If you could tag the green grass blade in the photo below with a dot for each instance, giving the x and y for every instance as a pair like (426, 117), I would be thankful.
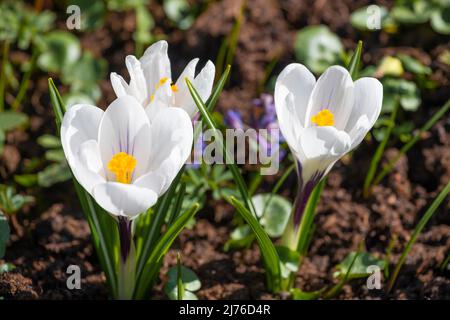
(268, 251)
(156, 224)
(354, 61)
(279, 184)
(218, 139)
(58, 105)
(308, 218)
(379, 153)
(161, 247)
(423, 221)
(427, 126)
(338, 287)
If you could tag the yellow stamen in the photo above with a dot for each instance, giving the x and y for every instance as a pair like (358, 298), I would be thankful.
(163, 80)
(122, 165)
(323, 118)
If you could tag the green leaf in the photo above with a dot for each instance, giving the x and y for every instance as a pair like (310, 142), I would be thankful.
(85, 74)
(219, 139)
(273, 211)
(440, 20)
(60, 50)
(289, 260)
(159, 250)
(409, 15)
(179, 12)
(268, 251)
(414, 65)
(422, 223)
(26, 180)
(405, 92)
(72, 98)
(241, 237)
(359, 268)
(361, 18)
(56, 155)
(4, 234)
(298, 294)
(189, 279)
(93, 13)
(318, 48)
(10, 120)
(49, 141)
(53, 174)
(6, 267)
(10, 202)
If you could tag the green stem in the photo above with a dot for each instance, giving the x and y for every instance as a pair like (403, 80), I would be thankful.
(423, 221)
(25, 81)
(6, 46)
(126, 276)
(379, 153)
(427, 126)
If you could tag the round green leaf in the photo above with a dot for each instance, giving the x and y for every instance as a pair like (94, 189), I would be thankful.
(85, 73)
(179, 12)
(12, 119)
(440, 20)
(49, 141)
(189, 278)
(190, 283)
(53, 174)
(414, 65)
(289, 260)
(60, 49)
(318, 48)
(92, 13)
(408, 15)
(359, 268)
(276, 215)
(361, 18)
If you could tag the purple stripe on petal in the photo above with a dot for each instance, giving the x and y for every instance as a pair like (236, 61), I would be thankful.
(124, 225)
(305, 190)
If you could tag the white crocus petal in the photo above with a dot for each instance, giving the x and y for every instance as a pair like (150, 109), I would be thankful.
(161, 99)
(172, 137)
(124, 199)
(203, 83)
(297, 80)
(120, 86)
(125, 128)
(320, 148)
(80, 125)
(366, 110)
(333, 91)
(138, 85)
(155, 65)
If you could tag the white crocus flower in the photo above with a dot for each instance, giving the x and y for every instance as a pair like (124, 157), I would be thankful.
(151, 81)
(119, 157)
(321, 121)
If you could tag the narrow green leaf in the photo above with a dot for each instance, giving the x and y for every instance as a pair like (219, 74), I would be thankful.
(354, 61)
(379, 153)
(159, 250)
(427, 126)
(218, 139)
(308, 218)
(161, 210)
(423, 221)
(268, 251)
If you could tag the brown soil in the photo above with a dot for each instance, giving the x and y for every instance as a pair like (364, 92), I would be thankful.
(56, 235)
